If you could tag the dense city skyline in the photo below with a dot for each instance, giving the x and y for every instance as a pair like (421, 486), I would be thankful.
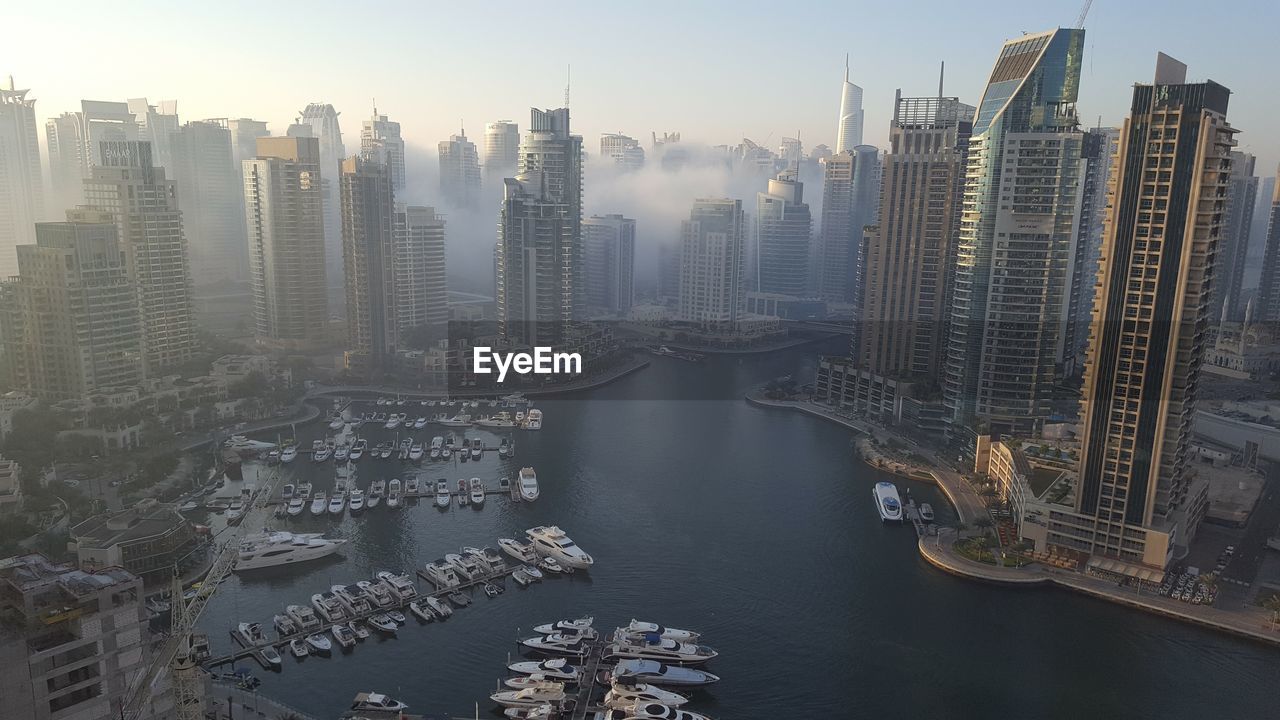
(466, 74)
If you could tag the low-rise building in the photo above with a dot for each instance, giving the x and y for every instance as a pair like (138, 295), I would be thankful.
(148, 539)
(10, 487)
(10, 403)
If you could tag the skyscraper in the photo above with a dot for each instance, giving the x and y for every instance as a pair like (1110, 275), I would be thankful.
(850, 195)
(66, 174)
(539, 249)
(623, 151)
(380, 140)
(1098, 153)
(71, 323)
(244, 138)
(320, 121)
(211, 196)
(712, 261)
(1228, 279)
(784, 229)
(501, 148)
(608, 259)
(459, 170)
(21, 181)
(368, 246)
(1017, 236)
(144, 204)
(283, 200)
(422, 294)
(849, 132)
(1150, 318)
(1268, 309)
(155, 125)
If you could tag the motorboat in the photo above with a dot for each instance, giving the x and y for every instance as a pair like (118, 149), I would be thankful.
(304, 492)
(493, 559)
(360, 630)
(521, 577)
(299, 648)
(506, 448)
(358, 449)
(341, 453)
(393, 422)
(534, 573)
(319, 643)
(530, 697)
(377, 702)
(556, 668)
(659, 711)
(396, 616)
(249, 634)
(533, 419)
(463, 497)
(421, 611)
(420, 423)
(492, 590)
(552, 566)
(926, 512)
(356, 501)
(320, 451)
(656, 647)
(235, 511)
(458, 599)
(415, 452)
(270, 657)
(295, 507)
(285, 626)
(286, 492)
(303, 616)
(289, 453)
(626, 693)
(376, 490)
(457, 421)
(477, 449)
(656, 673)
(521, 682)
(393, 493)
(528, 481)
(437, 444)
(501, 421)
(353, 598)
(551, 541)
(557, 644)
(518, 550)
(337, 503)
(328, 607)
(545, 711)
(438, 608)
(888, 504)
(378, 592)
(401, 586)
(273, 456)
(383, 624)
(477, 492)
(465, 566)
(442, 574)
(566, 626)
(319, 503)
(411, 487)
(640, 627)
(442, 493)
(344, 636)
(270, 549)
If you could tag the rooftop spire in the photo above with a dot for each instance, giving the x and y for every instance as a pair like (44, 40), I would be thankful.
(846, 67)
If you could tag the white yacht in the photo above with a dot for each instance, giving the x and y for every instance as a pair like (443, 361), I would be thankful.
(352, 598)
(566, 626)
(235, 511)
(356, 501)
(558, 644)
(533, 420)
(377, 702)
(358, 449)
(551, 541)
(441, 609)
(926, 512)
(289, 453)
(393, 493)
(441, 573)
(304, 492)
(338, 503)
(656, 673)
(415, 452)
(887, 502)
(319, 503)
(640, 627)
(655, 647)
(529, 697)
(465, 566)
(457, 421)
(319, 643)
(337, 423)
(328, 607)
(320, 451)
(557, 668)
(411, 486)
(477, 492)
(401, 586)
(344, 635)
(376, 490)
(341, 453)
(437, 444)
(518, 550)
(378, 592)
(283, 548)
(303, 616)
(477, 449)
(501, 421)
(528, 484)
(625, 694)
(442, 494)
(393, 422)
(420, 423)
(660, 711)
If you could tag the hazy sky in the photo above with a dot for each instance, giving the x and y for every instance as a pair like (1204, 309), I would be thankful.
(715, 71)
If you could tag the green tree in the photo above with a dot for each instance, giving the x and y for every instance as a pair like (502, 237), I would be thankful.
(33, 443)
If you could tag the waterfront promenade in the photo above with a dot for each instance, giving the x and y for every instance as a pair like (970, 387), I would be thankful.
(938, 549)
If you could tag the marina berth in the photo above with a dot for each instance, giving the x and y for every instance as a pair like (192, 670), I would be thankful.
(528, 484)
(656, 673)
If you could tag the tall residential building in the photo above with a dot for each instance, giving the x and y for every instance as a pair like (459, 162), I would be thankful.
(244, 138)
(284, 201)
(1228, 279)
(1098, 154)
(539, 249)
(907, 287)
(21, 181)
(71, 322)
(625, 152)
(422, 294)
(459, 170)
(1137, 491)
(501, 148)
(380, 140)
(75, 139)
(211, 195)
(368, 244)
(849, 132)
(712, 262)
(155, 125)
(784, 228)
(1017, 236)
(74, 642)
(669, 272)
(608, 260)
(850, 198)
(144, 203)
(320, 120)
(1268, 306)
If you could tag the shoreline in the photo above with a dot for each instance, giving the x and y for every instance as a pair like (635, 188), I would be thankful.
(939, 555)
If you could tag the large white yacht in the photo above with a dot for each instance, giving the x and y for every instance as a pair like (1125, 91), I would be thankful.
(656, 647)
(528, 484)
(651, 671)
(401, 586)
(283, 548)
(533, 420)
(551, 541)
(318, 503)
(328, 606)
(304, 616)
(888, 504)
(378, 592)
(352, 598)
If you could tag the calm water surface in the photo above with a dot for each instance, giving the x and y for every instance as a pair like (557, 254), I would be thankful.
(757, 528)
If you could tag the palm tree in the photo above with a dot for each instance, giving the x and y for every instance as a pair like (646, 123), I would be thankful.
(960, 528)
(984, 523)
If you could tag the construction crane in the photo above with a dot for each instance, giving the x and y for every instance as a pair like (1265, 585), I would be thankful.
(180, 653)
(1084, 11)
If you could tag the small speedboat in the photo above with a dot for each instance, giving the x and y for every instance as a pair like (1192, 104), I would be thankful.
(299, 648)
(462, 493)
(421, 612)
(384, 624)
(319, 643)
(396, 616)
(377, 702)
(394, 498)
(477, 449)
(440, 609)
(442, 494)
(458, 599)
(492, 590)
(270, 656)
(521, 577)
(358, 628)
(376, 490)
(926, 512)
(550, 565)
(477, 492)
(532, 572)
(343, 634)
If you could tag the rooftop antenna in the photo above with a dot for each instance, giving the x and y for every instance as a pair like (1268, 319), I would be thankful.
(568, 80)
(942, 73)
(846, 67)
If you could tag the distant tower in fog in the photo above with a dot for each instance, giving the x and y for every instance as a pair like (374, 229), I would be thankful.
(849, 134)
(21, 182)
(501, 148)
(380, 140)
(459, 170)
(322, 122)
